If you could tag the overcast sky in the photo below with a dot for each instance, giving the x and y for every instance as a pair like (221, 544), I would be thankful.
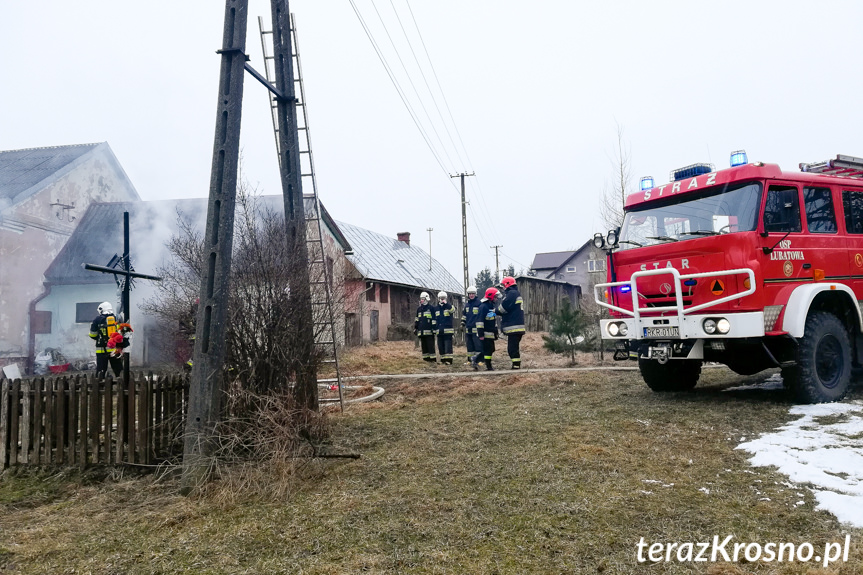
(532, 96)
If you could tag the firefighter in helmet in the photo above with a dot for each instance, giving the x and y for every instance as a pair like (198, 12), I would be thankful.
(486, 328)
(101, 330)
(512, 319)
(424, 327)
(468, 323)
(444, 318)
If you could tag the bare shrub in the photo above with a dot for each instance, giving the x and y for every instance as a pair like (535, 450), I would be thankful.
(262, 445)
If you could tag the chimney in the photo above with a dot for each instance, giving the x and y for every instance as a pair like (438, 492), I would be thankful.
(404, 237)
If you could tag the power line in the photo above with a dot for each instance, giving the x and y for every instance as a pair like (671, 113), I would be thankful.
(398, 88)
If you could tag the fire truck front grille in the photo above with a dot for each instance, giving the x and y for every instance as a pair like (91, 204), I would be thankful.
(665, 302)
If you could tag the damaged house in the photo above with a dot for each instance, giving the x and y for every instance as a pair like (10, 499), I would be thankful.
(72, 293)
(44, 193)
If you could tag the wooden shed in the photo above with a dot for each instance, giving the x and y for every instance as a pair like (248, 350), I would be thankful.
(542, 298)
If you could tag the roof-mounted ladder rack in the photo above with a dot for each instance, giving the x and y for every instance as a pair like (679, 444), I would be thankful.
(846, 166)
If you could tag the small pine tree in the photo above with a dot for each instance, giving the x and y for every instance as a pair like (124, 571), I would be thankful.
(571, 329)
(484, 280)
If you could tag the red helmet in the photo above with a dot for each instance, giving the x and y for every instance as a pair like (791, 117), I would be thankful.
(507, 282)
(490, 293)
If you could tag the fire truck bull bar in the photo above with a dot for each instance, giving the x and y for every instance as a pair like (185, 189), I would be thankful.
(687, 325)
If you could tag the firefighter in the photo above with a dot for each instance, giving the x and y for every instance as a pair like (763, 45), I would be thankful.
(101, 329)
(468, 323)
(486, 328)
(511, 314)
(424, 327)
(443, 316)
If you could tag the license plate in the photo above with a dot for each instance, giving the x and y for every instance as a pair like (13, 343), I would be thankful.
(670, 331)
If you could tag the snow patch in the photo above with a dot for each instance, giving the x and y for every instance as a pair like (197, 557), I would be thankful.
(827, 455)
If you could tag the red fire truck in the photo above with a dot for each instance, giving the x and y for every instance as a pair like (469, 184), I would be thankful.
(751, 266)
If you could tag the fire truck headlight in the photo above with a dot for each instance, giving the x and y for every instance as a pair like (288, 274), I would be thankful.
(623, 329)
(611, 238)
(709, 326)
(598, 241)
(612, 329)
(723, 325)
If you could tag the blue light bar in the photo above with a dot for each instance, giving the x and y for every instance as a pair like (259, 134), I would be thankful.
(647, 183)
(739, 158)
(691, 171)
(625, 289)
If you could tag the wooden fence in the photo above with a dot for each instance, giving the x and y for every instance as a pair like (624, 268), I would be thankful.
(81, 420)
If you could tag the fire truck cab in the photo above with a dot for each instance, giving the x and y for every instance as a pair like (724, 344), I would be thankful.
(751, 266)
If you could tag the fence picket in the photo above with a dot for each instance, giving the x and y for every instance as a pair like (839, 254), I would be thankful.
(94, 417)
(82, 422)
(60, 419)
(36, 442)
(107, 416)
(5, 407)
(16, 423)
(26, 420)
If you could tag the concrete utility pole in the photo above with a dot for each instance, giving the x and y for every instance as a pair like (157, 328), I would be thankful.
(464, 227)
(303, 339)
(496, 263)
(430, 230)
(206, 384)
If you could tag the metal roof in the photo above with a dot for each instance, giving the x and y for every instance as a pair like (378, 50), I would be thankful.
(23, 171)
(551, 260)
(386, 259)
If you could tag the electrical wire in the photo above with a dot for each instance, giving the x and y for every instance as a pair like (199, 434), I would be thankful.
(398, 87)
(481, 217)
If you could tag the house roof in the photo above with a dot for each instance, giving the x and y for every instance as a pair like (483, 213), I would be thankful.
(550, 260)
(25, 172)
(386, 259)
(99, 234)
(571, 256)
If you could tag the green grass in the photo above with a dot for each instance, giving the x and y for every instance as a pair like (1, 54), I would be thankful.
(561, 473)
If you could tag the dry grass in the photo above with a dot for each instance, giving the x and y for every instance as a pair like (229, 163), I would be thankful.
(397, 357)
(518, 473)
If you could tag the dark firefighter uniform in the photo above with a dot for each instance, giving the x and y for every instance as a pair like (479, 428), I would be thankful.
(424, 327)
(445, 330)
(512, 322)
(101, 330)
(468, 321)
(486, 328)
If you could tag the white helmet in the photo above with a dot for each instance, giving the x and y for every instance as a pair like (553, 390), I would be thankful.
(471, 290)
(424, 296)
(441, 295)
(105, 308)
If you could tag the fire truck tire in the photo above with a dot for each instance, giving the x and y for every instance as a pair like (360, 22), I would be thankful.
(676, 375)
(823, 371)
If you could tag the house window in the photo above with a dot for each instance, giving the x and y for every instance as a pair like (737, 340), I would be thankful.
(596, 265)
(385, 293)
(570, 269)
(370, 291)
(40, 322)
(86, 312)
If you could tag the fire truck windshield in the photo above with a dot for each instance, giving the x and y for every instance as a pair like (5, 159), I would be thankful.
(711, 212)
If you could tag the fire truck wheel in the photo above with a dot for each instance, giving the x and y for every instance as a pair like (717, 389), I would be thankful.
(676, 375)
(823, 370)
